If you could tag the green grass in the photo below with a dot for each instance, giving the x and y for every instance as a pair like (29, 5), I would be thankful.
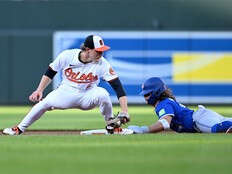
(133, 154)
(72, 118)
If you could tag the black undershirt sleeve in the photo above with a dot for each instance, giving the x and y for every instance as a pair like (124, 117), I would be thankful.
(50, 73)
(117, 86)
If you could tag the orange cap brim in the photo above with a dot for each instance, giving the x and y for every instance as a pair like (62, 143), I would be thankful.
(104, 48)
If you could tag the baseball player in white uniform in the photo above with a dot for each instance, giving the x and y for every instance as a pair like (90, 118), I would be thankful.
(81, 73)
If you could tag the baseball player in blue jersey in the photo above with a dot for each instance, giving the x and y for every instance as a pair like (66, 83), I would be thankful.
(175, 116)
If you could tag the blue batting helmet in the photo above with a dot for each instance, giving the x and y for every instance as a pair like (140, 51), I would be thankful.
(155, 86)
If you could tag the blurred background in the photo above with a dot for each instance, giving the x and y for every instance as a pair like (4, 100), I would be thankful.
(186, 42)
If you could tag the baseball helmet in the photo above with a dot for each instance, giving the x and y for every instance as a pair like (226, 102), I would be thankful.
(154, 86)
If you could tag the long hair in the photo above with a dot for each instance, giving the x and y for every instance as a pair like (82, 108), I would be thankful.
(167, 94)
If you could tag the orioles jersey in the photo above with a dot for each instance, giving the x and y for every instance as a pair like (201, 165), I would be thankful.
(81, 75)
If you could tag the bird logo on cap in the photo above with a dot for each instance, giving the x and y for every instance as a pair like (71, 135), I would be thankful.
(101, 42)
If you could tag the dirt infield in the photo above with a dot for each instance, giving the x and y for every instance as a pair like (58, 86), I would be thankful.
(65, 132)
(50, 132)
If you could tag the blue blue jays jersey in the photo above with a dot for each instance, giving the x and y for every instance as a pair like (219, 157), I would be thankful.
(182, 120)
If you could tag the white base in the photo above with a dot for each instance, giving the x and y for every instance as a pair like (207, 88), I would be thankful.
(104, 132)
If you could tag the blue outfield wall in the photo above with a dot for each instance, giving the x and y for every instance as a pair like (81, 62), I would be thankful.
(195, 65)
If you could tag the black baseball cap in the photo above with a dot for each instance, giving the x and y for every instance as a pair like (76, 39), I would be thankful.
(95, 42)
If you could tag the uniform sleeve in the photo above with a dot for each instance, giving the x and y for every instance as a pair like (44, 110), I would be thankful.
(117, 86)
(61, 61)
(108, 72)
(164, 109)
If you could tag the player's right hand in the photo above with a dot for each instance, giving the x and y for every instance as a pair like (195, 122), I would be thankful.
(36, 96)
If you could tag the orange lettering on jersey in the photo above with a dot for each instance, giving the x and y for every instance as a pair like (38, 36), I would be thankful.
(83, 78)
(74, 75)
(91, 77)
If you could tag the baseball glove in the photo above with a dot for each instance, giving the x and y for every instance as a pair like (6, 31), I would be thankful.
(123, 117)
(117, 121)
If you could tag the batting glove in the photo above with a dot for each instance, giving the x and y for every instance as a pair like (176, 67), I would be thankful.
(138, 129)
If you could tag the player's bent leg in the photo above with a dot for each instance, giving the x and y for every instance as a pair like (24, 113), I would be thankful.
(54, 100)
(97, 97)
(205, 119)
(105, 104)
(113, 124)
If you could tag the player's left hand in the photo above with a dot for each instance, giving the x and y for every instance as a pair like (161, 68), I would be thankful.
(123, 117)
(139, 129)
(117, 121)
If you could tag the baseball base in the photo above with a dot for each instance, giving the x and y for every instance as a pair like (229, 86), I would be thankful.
(120, 131)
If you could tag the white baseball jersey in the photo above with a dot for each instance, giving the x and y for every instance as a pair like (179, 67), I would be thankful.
(80, 75)
(73, 93)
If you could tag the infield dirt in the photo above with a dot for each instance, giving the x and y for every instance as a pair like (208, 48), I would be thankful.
(50, 132)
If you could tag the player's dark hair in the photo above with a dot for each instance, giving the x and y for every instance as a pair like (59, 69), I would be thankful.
(167, 94)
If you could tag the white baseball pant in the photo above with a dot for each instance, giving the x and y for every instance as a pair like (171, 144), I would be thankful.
(66, 97)
(205, 119)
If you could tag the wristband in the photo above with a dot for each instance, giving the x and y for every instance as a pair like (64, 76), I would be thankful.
(164, 123)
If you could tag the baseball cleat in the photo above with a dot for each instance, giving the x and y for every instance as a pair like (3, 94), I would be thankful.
(229, 131)
(12, 131)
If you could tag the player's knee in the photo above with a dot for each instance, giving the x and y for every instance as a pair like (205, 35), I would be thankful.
(103, 96)
(221, 127)
(45, 105)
